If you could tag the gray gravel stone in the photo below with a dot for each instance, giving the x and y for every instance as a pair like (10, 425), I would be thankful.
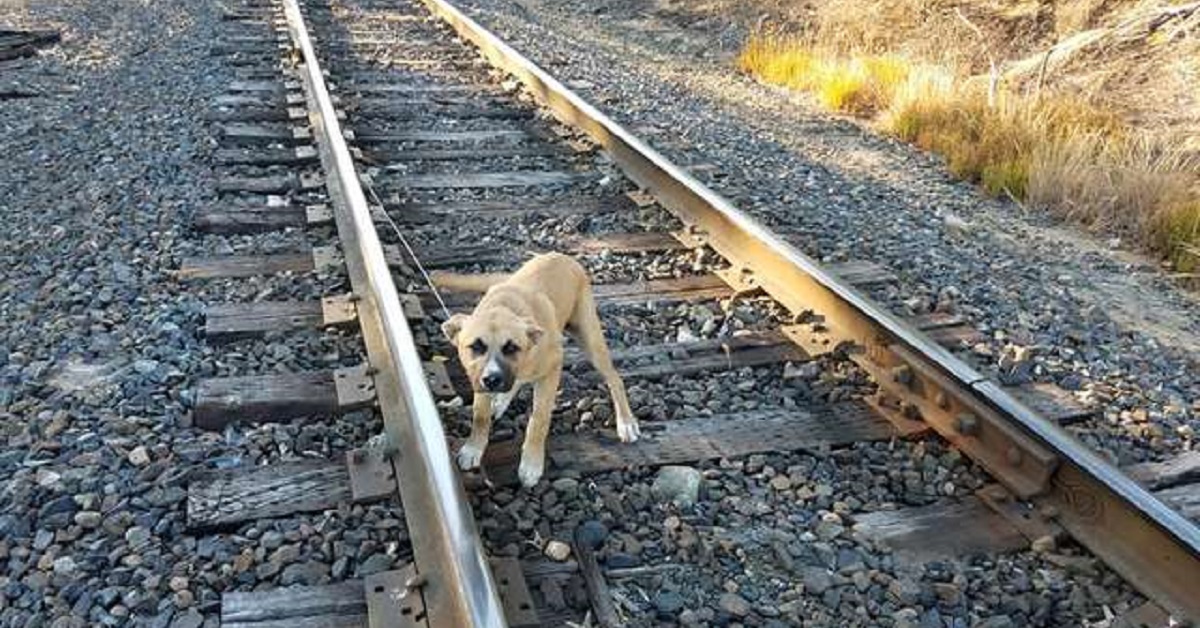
(308, 573)
(190, 619)
(734, 604)
(375, 564)
(669, 603)
(995, 621)
(676, 484)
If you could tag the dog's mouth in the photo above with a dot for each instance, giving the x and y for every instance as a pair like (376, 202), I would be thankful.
(495, 383)
(494, 388)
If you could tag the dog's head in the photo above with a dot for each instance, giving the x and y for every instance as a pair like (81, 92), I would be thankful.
(494, 347)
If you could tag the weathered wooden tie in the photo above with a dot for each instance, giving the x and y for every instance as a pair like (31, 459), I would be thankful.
(340, 605)
(691, 288)
(947, 530)
(693, 440)
(425, 213)
(222, 498)
(408, 88)
(687, 358)
(230, 266)
(287, 183)
(230, 321)
(487, 180)
(379, 136)
(1176, 481)
(267, 156)
(248, 134)
(387, 156)
(398, 112)
(264, 86)
(262, 398)
(379, 599)
(253, 219)
(617, 243)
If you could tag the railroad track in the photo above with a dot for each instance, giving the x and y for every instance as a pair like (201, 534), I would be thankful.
(400, 149)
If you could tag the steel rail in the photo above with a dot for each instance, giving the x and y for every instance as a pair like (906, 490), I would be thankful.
(457, 585)
(1155, 548)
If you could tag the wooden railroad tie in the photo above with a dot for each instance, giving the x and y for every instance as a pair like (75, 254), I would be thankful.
(232, 321)
(318, 258)
(383, 598)
(221, 498)
(260, 219)
(274, 398)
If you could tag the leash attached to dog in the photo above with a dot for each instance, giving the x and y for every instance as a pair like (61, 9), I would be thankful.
(411, 253)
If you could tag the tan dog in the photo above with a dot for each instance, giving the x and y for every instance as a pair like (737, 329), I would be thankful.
(514, 337)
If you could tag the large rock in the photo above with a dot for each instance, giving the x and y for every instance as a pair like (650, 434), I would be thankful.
(677, 484)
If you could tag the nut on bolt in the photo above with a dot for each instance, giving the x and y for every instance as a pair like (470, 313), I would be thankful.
(903, 375)
(1014, 456)
(967, 424)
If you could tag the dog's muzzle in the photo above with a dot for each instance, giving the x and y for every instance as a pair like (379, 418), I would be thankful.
(496, 377)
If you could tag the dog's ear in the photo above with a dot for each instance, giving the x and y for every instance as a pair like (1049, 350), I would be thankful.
(454, 325)
(534, 332)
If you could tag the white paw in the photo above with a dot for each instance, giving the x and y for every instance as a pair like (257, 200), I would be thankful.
(530, 470)
(469, 456)
(628, 430)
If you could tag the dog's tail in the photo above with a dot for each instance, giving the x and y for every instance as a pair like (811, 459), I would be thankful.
(468, 283)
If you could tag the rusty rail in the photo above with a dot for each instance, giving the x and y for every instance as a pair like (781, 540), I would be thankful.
(454, 578)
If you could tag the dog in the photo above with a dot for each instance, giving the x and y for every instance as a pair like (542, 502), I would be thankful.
(515, 337)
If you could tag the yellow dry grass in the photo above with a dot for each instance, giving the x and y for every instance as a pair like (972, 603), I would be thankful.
(1055, 152)
(860, 85)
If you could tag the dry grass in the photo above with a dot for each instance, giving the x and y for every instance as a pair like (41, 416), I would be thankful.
(992, 144)
(1054, 152)
(1112, 182)
(860, 86)
(1180, 235)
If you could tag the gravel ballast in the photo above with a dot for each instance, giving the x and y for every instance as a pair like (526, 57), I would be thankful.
(102, 346)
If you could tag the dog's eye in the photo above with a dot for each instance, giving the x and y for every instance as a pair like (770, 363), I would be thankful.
(510, 348)
(478, 347)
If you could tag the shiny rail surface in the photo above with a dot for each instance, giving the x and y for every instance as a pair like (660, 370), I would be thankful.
(455, 578)
(1151, 545)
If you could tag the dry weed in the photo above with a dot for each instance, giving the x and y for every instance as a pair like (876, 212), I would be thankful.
(1056, 151)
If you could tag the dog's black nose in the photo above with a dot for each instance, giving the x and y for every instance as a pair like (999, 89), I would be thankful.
(493, 381)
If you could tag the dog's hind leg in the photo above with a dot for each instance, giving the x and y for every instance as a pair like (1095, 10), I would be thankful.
(471, 452)
(533, 451)
(585, 324)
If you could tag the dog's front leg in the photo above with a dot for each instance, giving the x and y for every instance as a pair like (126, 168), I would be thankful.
(471, 452)
(533, 452)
